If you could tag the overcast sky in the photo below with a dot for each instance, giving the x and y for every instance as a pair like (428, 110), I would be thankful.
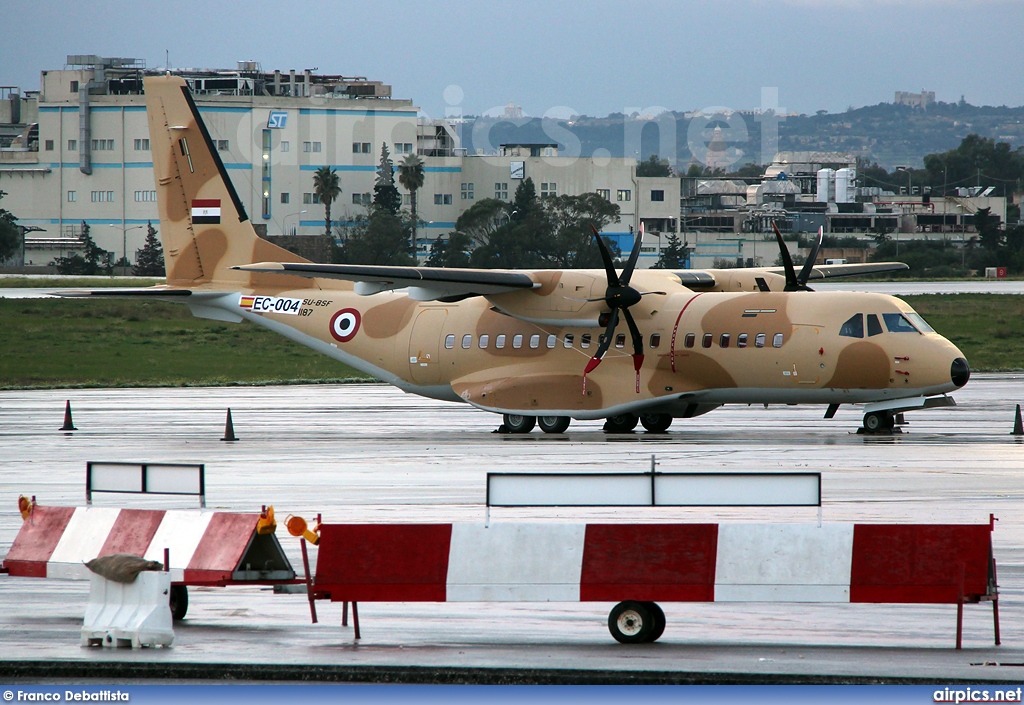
(555, 57)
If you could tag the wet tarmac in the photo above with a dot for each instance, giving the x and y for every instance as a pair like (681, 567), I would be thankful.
(369, 453)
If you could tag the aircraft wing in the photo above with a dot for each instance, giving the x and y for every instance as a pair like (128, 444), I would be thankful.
(828, 271)
(424, 283)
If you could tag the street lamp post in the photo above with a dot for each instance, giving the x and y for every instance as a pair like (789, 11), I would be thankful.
(284, 222)
(124, 246)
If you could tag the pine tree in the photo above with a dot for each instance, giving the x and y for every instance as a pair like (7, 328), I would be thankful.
(95, 260)
(674, 255)
(385, 193)
(149, 261)
(10, 233)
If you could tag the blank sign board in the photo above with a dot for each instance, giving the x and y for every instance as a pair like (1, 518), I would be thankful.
(148, 478)
(657, 489)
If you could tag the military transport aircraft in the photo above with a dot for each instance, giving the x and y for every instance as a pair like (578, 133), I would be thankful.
(544, 347)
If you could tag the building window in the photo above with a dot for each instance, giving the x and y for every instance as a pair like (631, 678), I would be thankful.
(286, 146)
(605, 193)
(624, 195)
(102, 196)
(501, 190)
(442, 199)
(467, 192)
(307, 146)
(657, 195)
(74, 86)
(286, 198)
(308, 198)
(72, 145)
(142, 145)
(222, 145)
(72, 196)
(548, 188)
(102, 145)
(360, 148)
(48, 145)
(361, 199)
(145, 196)
(403, 147)
(317, 146)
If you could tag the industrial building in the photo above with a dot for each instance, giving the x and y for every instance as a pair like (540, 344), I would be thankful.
(77, 151)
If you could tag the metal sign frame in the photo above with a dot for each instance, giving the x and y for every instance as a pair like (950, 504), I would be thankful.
(144, 479)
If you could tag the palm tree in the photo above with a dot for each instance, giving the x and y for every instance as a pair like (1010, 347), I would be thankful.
(410, 175)
(326, 186)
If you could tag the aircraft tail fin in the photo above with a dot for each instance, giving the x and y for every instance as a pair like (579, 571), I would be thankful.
(203, 225)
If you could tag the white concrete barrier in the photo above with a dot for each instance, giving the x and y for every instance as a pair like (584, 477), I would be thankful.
(129, 614)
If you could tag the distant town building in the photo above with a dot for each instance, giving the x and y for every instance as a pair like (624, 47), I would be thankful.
(915, 100)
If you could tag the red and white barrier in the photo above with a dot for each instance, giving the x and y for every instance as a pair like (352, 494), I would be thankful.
(206, 548)
(665, 562)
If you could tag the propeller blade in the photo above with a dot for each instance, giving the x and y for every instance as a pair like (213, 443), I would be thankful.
(805, 273)
(606, 257)
(638, 345)
(787, 261)
(602, 348)
(653, 293)
(634, 255)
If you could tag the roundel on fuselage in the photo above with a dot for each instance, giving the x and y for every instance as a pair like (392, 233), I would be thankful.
(345, 324)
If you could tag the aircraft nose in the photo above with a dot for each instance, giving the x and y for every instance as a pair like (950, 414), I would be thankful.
(960, 372)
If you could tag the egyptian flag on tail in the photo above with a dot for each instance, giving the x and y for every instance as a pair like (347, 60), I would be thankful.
(206, 211)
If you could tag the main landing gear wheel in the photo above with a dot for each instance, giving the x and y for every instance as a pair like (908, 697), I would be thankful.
(621, 423)
(178, 602)
(636, 622)
(878, 421)
(517, 423)
(553, 424)
(655, 423)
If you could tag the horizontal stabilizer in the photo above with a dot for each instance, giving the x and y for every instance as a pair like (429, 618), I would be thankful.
(126, 293)
(828, 271)
(424, 283)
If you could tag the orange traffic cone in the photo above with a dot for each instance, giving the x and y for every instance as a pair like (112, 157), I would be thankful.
(229, 429)
(68, 423)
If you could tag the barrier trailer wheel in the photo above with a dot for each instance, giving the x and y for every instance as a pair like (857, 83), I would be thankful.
(631, 622)
(178, 601)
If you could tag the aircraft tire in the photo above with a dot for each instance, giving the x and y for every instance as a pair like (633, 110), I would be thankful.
(553, 424)
(878, 421)
(517, 423)
(656, 423)
(621, 423)
(178, 602)
(631, 622)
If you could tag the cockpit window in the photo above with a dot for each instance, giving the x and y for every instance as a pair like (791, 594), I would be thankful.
(874, 327)
(854, 327)
(919, 322)
(898, 323)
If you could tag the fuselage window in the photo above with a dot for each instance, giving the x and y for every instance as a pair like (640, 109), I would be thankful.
(620, 340)
(741, 340)
(467, 342)
(499, 342)
(759, 340)
(724, 340)
(706, 342)
(517, 341)
(777, 340)
(854, 327)
(897, 323)
(567, 342)
(874, 327)
(534, 341)
(585, 340)
(689, 340)
(449, 341)
(484, 340)
(552, 339)
(655, 340)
